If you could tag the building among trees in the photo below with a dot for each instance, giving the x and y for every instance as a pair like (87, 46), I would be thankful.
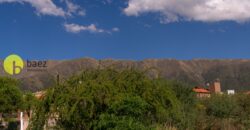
(214, 87)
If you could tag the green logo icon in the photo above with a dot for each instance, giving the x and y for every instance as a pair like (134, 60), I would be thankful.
(13, 64)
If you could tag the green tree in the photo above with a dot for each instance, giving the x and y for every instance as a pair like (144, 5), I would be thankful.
(242, 114)
(221, 106)
(29, 102)
(189, 102)
(10, 101)
(221, 110)
(109, 99)
(10, 95)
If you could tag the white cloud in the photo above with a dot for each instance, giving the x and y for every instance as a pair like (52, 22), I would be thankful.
(75, 28)
(197, 10)
(48, 7)
(74, 8)
(45, 7)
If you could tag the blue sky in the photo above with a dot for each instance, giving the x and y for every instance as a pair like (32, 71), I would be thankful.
(124, 29)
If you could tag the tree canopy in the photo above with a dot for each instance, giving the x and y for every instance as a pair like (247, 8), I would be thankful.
(10, 95)
(109, 99)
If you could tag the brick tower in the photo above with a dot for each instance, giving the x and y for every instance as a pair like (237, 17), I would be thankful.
(215, 87)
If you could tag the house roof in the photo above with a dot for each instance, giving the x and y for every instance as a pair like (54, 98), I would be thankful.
(200, 90)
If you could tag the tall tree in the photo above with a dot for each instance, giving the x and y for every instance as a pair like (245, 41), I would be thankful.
(10, 95)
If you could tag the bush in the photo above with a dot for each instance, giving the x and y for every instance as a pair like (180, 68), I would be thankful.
(225, 112)
(109, 99)
(221, 106)
(10, 95)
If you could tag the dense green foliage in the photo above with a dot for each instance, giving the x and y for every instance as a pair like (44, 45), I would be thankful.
(125, 100)
(10, 95)
(13, 100)
(129, 100)
(10, 101)
(225, 112)
(108, 99)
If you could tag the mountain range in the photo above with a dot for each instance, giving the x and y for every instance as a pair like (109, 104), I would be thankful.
(233, 74)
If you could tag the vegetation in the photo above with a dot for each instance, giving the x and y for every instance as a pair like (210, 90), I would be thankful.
(12, 100)
(106, 99)
(226, 112)
(10, 95)
(125, 100)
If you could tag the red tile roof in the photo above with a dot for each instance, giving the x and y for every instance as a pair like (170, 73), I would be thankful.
(200, 90)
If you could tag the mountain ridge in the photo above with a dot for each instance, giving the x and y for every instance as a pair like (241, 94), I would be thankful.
(233, 73)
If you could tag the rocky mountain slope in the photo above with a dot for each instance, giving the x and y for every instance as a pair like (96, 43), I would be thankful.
(234, 74)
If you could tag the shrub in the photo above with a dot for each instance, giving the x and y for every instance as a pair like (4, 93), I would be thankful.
(109, 99)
